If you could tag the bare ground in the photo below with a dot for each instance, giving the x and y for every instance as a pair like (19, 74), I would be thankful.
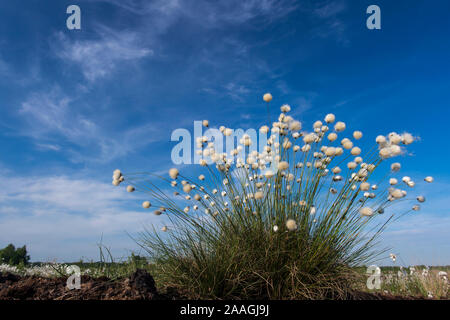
(139, 286)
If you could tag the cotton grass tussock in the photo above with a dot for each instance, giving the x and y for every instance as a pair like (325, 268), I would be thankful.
(287, 221)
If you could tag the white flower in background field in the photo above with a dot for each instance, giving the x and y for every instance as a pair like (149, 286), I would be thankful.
(173, 173)
(291, 225)
(275, 228)
(393, 257)
(267, 97)
(146, 204)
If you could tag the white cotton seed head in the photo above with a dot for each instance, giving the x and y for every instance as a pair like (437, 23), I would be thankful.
(357, 135)
(146, 204)
(396, 166)
(330, 151)
(336, 170)
(317, 124)
(394, 138)
(269, 174)
(421, 198)
(309, 138)
(173, 173)
(205, 123)
(295, 126)
(380, 140)
(291, 225)
(283, 165)
(130, 189)
(397, 193)
(267, 97)
(285, 108)
(339, 126)
(416, 207)
(164, 229)
(187, 188)
(347, 145)
(332, 136)
(365, 186)
(329, 118)
(264, 129)
(385, 153)
(429, 179)
(116, 182)
(356, 151)
(366, 211)
(393, 181)
(258, 195)
(407, 138)
(275, 228)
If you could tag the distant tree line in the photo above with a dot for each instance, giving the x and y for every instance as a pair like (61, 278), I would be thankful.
(14, 256)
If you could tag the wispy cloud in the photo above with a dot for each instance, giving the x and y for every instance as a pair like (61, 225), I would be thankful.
(53, 118)
(99, 57)
(209, 14)
(331, 25)
(56, 210)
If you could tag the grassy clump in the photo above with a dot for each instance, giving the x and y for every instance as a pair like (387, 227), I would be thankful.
(282, 223)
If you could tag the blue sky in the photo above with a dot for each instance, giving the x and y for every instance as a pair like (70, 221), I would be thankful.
(77, 104)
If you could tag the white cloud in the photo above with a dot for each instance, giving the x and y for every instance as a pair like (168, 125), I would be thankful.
(53, 118)
(98, 58)
(209, 14)
(57, 215)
